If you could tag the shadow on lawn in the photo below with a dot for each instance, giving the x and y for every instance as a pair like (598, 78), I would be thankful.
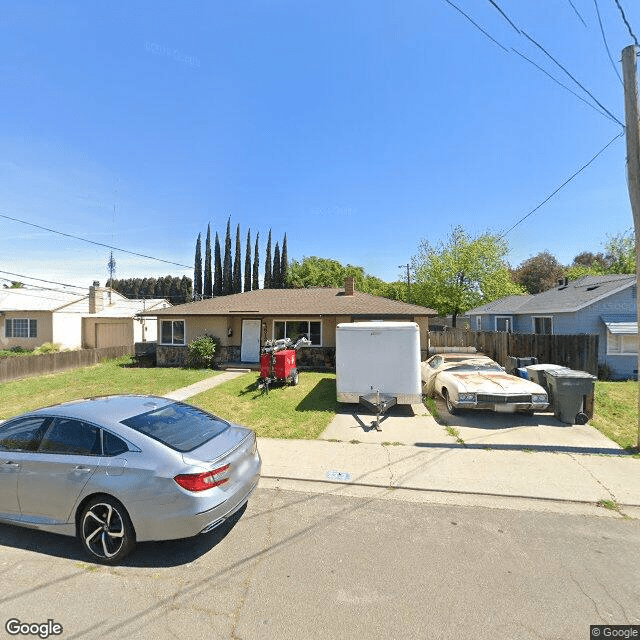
(321, 398)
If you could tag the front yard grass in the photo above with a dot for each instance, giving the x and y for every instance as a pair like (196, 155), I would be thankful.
(301, 412)
(616, 412)
(111, 376)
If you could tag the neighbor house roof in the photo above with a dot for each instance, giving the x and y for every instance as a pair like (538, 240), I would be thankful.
(566, 298)
(297, 302)
(25, 299)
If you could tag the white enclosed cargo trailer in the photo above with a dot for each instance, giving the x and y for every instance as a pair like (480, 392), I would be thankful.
(378, 357)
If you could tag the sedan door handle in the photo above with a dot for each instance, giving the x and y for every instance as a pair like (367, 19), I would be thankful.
(81, 468)
(11, 463)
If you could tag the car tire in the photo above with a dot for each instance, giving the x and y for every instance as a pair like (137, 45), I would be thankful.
(450, 408)
(105, 530)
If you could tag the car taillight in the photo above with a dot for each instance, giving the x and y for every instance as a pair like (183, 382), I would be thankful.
(203, 481)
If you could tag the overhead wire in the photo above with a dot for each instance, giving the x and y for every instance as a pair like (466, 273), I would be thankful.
(504, 15)
(100, 244)
(577, 13)
(476, 25)
(624, 18)
(564, 184)
(606, 45)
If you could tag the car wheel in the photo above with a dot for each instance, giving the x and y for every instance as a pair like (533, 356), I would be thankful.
(105, 530)
(294, 377)
(450, 408)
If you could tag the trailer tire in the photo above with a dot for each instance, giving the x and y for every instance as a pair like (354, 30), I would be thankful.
(293, 377)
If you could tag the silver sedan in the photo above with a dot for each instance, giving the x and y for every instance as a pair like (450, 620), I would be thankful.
(120, 469)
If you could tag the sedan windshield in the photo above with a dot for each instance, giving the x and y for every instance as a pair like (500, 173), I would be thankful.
(489, 367)
(179, 426)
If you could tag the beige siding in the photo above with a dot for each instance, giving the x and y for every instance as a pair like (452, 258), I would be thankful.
(196, 326)
(45, 329)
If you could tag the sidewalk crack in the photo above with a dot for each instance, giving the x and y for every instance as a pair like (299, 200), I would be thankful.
(604, 486)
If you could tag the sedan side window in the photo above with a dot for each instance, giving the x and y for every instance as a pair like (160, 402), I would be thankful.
(71, 437)
(435, 363)
(113, 446)
(21, 435)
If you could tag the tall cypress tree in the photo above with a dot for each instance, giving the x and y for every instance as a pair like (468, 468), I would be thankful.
(256, 265)
(275, 273)
(227, 282)
(284, 263)
(208, 284)
(237, 261)
(247, 263)
(217, 280)
(267, 264)
(197, 272)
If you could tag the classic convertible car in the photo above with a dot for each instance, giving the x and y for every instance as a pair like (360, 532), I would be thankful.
(472, 381)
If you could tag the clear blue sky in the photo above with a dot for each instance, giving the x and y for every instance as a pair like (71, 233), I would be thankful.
(358, 127)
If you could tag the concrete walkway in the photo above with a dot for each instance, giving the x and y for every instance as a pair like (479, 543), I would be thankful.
(545, 466)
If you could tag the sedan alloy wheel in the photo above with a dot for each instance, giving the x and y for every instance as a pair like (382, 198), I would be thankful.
(106, 531)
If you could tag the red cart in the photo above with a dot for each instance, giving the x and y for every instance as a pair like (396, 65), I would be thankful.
(278, 362)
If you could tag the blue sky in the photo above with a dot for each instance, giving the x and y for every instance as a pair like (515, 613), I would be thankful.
(358, 128)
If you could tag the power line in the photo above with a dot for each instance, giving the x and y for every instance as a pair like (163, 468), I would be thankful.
(100, 244)
(564, 184)
(633, 37)
(504, 15)
(476, 25)
(606, 46)
(577, 13)
(578, 83)
(19, 275)
(564, 86)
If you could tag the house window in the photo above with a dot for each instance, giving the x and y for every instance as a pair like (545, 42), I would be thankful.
(478, 323)
(20, 328)
(504, 323)
(542, 324)
(622, 344)
(295, 329)
(172, 332)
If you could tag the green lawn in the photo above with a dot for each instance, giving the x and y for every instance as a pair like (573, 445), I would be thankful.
(301, 412)
(113, 376)
(616, 412)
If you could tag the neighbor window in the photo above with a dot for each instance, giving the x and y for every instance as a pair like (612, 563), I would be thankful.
(296, 329)
(542, 325)
(504, 323)
(20, 328)
(622, 344)
(478, 323)
(172, 332)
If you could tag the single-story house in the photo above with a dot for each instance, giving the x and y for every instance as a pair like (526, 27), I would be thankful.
(101, 318)
(603, 305)
(243, 322)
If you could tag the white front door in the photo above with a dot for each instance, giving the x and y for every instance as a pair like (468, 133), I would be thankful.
(250, 345)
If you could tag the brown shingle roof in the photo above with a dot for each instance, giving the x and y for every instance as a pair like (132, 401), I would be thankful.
(290, 302)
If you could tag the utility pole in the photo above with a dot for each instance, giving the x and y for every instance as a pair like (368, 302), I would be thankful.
(629, 69)
(403, 266)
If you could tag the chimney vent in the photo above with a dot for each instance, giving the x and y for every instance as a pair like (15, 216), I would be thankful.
(349, 286)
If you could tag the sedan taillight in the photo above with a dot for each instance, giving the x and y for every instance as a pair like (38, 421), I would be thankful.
(205, 480)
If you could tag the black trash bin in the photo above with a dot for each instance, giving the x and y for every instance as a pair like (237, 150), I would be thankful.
(514, 363)
(572, 393)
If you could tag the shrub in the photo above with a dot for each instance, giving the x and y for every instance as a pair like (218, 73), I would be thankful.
(48, 347)
(605, 372)
(202, 350)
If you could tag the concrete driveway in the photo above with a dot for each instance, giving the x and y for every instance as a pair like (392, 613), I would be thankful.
(414, 425)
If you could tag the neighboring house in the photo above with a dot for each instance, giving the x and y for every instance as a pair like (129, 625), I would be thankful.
(604, 305)
(245, 321)
(103, 318)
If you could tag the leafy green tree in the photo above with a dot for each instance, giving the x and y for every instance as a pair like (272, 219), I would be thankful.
(247, 263)
(268, 264)
(461, 273)
(237, 261)
(186, 289)
(217, 280)
(619, 257)
(284, 263)
(256, 265)
(227, 279)
(197, 271)
(208, 282)
(538, 273)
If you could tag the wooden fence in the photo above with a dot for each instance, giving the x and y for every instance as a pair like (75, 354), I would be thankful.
(27, 366)
(574, 351)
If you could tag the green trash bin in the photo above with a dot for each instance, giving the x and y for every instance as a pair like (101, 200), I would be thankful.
(572, 393)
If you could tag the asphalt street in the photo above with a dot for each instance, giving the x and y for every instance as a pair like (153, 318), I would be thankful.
(310, 565)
